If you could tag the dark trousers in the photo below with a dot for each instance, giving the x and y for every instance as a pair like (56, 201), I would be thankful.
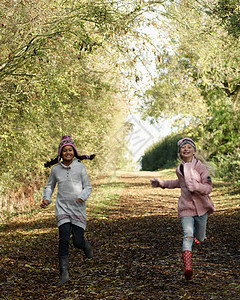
(65, 231)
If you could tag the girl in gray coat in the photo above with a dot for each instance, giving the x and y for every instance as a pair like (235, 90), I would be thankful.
(70, 210)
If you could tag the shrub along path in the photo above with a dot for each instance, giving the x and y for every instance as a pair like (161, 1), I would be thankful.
(136, 237)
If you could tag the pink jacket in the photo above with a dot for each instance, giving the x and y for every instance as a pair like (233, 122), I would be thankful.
(196, 185)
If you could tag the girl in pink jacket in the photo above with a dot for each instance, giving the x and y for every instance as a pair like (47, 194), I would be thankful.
(194, 204)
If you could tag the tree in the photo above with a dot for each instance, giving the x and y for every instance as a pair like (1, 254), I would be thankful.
(228, 12)
(30, 30)
(199, 78)
(60, 72)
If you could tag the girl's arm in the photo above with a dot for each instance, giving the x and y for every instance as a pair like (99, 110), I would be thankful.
(169, 184)
(172, 184)
(197, 181)
(49, 189)
(87, 188)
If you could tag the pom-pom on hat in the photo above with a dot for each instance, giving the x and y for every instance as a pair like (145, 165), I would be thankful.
(184, 141)
(66, 141)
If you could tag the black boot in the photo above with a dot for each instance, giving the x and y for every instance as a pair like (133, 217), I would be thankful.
(88, 249)
(63, 266)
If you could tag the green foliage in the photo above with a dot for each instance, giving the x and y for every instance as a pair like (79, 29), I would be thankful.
(162, 155)
(222, 128)
(228, 11)
(228, 167)
(31, 30)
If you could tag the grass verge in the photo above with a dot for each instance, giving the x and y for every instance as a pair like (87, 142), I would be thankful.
(105, 194)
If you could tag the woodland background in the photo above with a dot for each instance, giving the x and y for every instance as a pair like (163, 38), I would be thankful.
(72, 67)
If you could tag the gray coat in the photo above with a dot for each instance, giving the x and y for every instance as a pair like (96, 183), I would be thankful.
(73, 183)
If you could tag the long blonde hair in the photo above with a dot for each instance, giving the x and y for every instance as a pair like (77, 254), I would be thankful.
(208, 165)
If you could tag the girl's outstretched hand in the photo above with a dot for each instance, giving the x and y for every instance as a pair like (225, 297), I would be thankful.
(44, 203)
(157, 182)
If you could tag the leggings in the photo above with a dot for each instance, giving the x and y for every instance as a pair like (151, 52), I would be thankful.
(64, 238)
(193, 227)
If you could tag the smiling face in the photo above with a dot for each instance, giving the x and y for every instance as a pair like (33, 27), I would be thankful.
(67, 155)
(187, 152)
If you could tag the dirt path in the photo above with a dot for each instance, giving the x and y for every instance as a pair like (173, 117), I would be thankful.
(137, 244)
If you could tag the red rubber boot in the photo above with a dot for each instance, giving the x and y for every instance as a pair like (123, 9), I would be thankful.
(187, 260)
(197, 241)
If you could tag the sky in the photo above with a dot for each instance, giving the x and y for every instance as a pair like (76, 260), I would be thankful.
(143, 133)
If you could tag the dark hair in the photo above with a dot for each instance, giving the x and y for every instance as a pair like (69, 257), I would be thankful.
(54, 161)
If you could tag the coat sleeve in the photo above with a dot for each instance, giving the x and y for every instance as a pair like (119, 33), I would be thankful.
(172, 184)
(87, 188)
(197, 180)
(49, 187)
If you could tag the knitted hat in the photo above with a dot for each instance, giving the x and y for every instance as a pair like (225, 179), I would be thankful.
(184, 141)
(66, 141)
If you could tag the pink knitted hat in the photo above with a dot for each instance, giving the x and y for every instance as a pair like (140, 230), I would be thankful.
(184, 141)
(66, 141)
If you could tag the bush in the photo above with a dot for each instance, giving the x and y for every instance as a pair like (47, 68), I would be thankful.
(228, 167)
(161, 155)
